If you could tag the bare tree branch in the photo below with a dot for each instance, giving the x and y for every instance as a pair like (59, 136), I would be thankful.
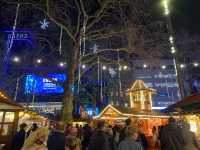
(78, 20)
(58, 23)
(99, 15)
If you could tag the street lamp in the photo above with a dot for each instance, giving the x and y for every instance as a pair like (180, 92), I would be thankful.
(163, 67)
(196, 64)
(125, 67)
(104, 67)
(83, 66)
(182, 66)
(173, 50)
(16, 59)
(166, 7)
(145, 66)
(120, 68)
(171, 39)
(39, 61)
(61, 64)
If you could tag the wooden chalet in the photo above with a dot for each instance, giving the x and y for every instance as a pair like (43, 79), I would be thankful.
(139, 110)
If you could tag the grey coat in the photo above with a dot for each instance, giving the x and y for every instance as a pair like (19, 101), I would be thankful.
(172, 138)
(190, 140)
(129, 144)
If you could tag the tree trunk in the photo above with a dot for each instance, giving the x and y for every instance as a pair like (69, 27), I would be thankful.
(67, 103)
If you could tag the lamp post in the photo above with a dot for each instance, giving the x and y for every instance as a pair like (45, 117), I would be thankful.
(16, 89)
(173, 47)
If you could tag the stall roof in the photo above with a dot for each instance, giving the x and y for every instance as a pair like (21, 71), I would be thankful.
(188, 104)
(123, 113)
(7, 103)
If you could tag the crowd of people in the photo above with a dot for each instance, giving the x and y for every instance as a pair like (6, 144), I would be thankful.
(104, 137)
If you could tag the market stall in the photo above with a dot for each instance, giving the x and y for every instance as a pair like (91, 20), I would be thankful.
(139, 110)
(188, 109)
(12, 115)
(9, 117)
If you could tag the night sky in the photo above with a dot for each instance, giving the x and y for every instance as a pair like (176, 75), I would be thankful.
(186, 15)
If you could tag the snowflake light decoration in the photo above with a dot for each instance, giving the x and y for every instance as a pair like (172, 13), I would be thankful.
(44, 24)
(94, 48)
(112, 72)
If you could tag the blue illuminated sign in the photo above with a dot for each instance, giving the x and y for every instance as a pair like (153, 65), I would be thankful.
(41, 85)
(19, 35)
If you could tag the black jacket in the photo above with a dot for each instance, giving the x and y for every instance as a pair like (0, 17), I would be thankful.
(100, 141)
(56, 141)
(18, 140)
(171, 138)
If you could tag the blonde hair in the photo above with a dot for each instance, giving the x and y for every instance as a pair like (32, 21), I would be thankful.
(36, 135)
(73, 143)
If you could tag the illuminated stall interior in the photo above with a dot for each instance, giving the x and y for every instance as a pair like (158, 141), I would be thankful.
(139, 110)
(11, 115)
(188, 109)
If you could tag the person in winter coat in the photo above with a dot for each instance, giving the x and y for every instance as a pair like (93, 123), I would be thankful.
(189, 137)
(19, 138)
(122, 132)
(37, 140)
(72, 142)
(116, 134)
(56, 139)
(143, 140)
(155, 136)
(130, 141)
(112, 142)
(100, 140)
(32, 129)
(171, 137)
(87, 133)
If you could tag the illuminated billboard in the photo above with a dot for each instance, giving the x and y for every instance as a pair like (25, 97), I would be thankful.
(35, 84)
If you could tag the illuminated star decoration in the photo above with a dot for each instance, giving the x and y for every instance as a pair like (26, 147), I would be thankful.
(94, 48)
(112, 72)
(44, 24)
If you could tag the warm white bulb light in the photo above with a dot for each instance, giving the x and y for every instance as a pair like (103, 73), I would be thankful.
(196, 64)
(16, 59)
(39, 61)
(83, 66)
(182, 66)
(61, 64)
(163, 67)
(104, 67)
(166, 7)
(125, 67)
